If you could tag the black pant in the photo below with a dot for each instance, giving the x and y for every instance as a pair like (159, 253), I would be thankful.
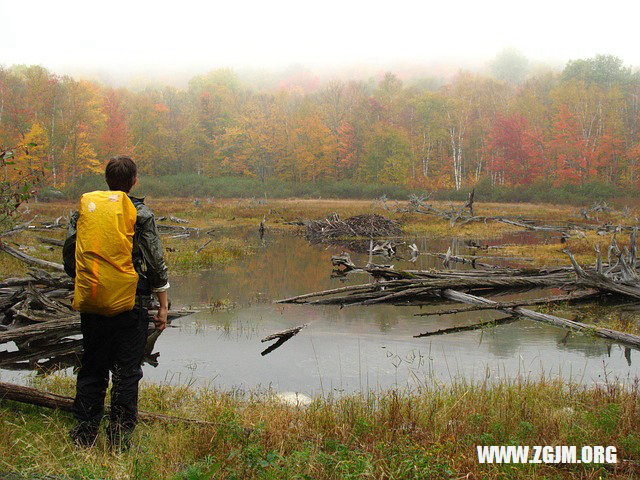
(113, 344)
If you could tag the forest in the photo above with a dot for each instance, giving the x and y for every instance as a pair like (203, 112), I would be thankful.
(506, 128)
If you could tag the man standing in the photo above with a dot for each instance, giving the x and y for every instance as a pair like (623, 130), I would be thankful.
(113, 291)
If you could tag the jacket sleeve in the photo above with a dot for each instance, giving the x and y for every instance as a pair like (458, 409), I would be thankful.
(69, 248)
(151, 249)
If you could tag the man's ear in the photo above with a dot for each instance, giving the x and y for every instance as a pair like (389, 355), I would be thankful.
(135, 181)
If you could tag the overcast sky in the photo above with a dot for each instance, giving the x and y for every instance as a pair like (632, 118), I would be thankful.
(129, 35)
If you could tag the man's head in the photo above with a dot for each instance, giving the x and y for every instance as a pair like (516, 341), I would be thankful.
(121, 173)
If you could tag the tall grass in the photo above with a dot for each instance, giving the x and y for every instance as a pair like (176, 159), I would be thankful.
(428, 434)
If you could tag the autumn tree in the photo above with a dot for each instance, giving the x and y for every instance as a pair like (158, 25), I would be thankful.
(515, 159)
(115, 137)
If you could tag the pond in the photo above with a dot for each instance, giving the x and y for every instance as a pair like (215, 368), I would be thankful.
(352, 349)
(356, 348)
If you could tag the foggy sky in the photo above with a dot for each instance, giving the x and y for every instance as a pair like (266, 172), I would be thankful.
(123, 36)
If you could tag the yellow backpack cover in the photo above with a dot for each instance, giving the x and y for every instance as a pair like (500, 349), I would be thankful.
(105, 278)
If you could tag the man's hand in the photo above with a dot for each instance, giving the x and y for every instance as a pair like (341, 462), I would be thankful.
(160, 318)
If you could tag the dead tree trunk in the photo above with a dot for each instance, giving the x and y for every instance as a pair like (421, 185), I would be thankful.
(620, 337)
(32, 396)
(517, 303)
(29, 259)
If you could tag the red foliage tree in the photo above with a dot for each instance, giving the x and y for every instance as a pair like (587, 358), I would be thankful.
(115, 139)
(512, 145)
(568, 149)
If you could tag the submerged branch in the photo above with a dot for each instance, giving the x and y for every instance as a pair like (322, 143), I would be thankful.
(466, 328)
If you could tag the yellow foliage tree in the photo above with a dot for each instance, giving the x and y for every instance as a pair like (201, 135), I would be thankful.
(34, 154)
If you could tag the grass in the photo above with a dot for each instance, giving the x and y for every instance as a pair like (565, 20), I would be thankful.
(203, 186)
(181, 256)
(426, 434)
(430, 433)
(222, 213)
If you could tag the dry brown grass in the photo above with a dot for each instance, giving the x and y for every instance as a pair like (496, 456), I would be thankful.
(427, 434)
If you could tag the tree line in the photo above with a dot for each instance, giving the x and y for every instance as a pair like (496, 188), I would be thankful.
(572, 126)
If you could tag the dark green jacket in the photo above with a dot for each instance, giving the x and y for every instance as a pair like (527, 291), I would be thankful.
(148, 258)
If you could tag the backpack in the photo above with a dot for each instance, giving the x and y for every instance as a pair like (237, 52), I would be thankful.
(105, 277)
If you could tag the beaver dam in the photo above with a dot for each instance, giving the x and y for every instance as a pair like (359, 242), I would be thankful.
(346, 311)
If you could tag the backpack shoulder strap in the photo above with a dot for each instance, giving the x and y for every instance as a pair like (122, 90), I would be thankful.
(137, 202)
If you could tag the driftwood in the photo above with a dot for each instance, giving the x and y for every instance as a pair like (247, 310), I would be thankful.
(282, 337)
(402, 286)
(18, 228)
(51, 241)
(58, 328)
(407, 287)
(38, 307)
(473, 261)
(42, 331)
(467, 328)
(414, 286)
(619, 337)
(28, 358)
(420, 205)
(367, 225)
(55, 353)
(178, 230)
(621, 278)
(517, 303)
(32, 396)
(284, 334)
(40, 277)
(29, 259)
(204, 245)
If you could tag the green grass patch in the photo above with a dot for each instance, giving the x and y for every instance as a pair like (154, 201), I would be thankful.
(426, 434)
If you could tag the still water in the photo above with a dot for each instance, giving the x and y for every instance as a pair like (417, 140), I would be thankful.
(351, 349)
(354, 348)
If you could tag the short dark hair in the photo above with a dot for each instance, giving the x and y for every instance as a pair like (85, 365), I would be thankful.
(121, 173)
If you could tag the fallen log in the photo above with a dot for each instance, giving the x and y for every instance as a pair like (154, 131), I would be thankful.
(63, 327)
(282, 337)
(290, 332)
(367, 225)
(51, 241)
(406, 288)
(177, 220)
(517, 303)
(622, 282)
(18, 228)
(467, 328)
(33, 396)
(426, 288)
(448, 257)
(38, 307)
(177, 229)
(40, 277)
(44, 330)
(619, 337)
(56, 349)
(204, 245)
(419, 205)
(29, 259)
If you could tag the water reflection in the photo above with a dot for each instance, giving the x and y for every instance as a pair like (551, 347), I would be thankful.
(64, 352)
(345, 349)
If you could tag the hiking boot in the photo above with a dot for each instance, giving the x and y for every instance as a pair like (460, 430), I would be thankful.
(84, 435)
(119, 438)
